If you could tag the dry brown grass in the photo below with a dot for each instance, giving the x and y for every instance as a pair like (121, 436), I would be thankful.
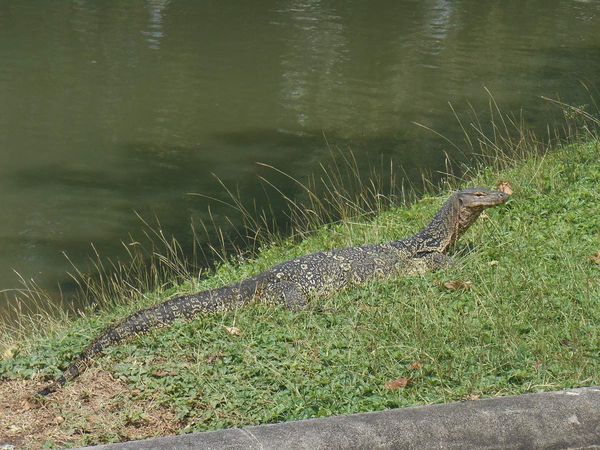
(98, 410)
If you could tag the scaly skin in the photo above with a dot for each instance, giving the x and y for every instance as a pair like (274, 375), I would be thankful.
(316, 275)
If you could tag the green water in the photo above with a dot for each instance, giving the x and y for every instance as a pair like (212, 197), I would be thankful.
(112, 107)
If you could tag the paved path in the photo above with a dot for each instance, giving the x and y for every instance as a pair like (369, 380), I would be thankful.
(553, 420)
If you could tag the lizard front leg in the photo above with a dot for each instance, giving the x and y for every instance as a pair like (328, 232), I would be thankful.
(288, 293)
(435, 261)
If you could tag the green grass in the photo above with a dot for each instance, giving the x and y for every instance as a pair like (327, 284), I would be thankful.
(528, 323)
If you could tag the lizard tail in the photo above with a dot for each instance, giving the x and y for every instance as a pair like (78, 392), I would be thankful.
(111, 336)
(156, 317)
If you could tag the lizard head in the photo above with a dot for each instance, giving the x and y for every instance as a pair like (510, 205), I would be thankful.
(480, 198)
(457, 215)
(472, 202)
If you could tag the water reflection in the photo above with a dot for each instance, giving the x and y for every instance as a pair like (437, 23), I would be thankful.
(315, 48)
(439, 24)
(154, 32)
(112, 107)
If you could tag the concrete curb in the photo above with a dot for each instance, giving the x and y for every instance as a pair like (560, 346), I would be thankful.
(554, 420)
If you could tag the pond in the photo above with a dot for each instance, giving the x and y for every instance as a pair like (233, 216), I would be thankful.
(108, 109)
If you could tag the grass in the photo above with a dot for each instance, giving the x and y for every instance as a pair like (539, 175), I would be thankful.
(526, 321)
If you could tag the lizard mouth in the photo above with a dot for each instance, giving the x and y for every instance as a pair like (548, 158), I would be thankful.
(491, 199)
(501, 199)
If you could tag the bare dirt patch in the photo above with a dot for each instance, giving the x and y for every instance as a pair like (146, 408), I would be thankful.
(96, 409)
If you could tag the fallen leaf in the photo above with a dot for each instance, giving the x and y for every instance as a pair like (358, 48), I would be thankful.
(164, 373)
(416, 366)
(213, 358)
(472, 397)
(233, 331)
(59, 419)
(27, 405)
(92, 419)
(458, 285)
(568, 343)
(9, 352)
(492, 263)
(596, 257)
(505, 186)
(400, 383)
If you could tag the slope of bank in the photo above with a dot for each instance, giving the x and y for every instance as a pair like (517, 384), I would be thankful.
(517, 313)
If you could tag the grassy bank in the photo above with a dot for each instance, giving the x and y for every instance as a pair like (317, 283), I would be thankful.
(518, 313)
